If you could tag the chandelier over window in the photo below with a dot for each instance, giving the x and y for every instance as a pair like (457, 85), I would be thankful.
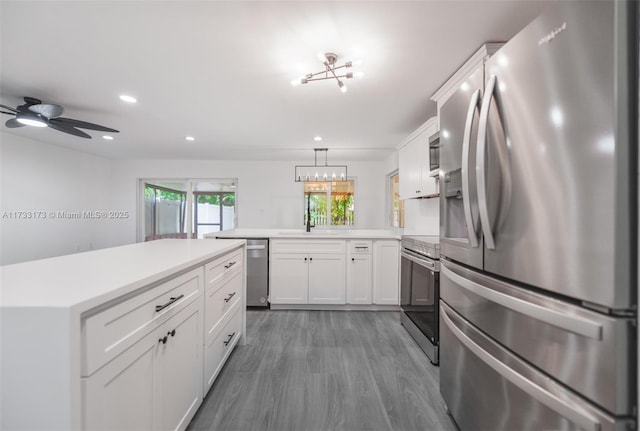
(330, 61)
(317, 172)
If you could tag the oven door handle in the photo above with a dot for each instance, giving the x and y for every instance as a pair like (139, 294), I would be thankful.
(429, 264)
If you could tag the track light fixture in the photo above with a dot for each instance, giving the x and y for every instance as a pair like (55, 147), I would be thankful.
(330, 66)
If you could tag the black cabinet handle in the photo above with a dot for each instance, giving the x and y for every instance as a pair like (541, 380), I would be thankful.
(417, 191)
(305, 259)
(353, 259)
(310, 258)
(163, 340)
(172, 333)
(229, 265)
(228, 298)
(226, 343)
(171, 301)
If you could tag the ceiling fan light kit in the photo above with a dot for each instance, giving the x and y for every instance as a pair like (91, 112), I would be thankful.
(315, 172)
(330, 61)
(34, 113)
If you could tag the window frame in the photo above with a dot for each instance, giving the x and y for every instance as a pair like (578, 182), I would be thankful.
(329, 203)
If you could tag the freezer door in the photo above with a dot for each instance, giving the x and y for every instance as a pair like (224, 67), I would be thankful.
(554, 177)
(594, 354)
(460, 237)
(487, 388)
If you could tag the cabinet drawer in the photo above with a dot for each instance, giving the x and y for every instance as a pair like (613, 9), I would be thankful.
(218, 348)
(223, 268)
(307, 246)
(108, 333)
(218, 302)
(360, 247)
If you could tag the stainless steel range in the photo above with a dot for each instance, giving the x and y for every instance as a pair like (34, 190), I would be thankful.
(420, 291)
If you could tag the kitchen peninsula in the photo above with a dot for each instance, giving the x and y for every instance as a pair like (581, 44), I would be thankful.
(329, 269)
(90, 340)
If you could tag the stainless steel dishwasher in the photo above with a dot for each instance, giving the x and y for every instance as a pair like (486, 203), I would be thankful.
(257, 272)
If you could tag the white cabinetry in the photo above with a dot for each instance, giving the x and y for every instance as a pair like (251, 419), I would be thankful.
(156, 382)
(222, 317)
(359, 272)
(386, 279)
(307, 272)
(413, 160)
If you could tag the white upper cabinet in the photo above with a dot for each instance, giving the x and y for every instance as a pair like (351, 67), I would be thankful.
(413, 160)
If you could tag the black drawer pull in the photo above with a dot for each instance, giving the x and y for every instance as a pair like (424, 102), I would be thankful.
(172, 333)
(229, 265)
(171, 301)
(231, 295)
(163, 340)
(353, 259)
(226, 343)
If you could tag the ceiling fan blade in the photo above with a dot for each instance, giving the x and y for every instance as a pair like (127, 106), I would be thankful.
(68, 129)
(47, 110)
(9, 108)
(12, 123)
(82, 124)
(32, 101)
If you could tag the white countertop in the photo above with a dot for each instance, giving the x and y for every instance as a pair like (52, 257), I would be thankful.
(84, 280)
(301, 233)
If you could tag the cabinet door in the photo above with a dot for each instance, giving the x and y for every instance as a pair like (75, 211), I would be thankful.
(120, 395)
(359, 279)
(386, 258)
(326, 279)
(418, 161)
(181, 376)
(288, 278)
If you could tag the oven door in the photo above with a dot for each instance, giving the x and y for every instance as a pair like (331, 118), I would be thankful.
(420, 293)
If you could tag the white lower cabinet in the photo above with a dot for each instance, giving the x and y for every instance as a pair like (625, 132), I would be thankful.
(289, 274)
(154, 384)
(149, 360)
(359, 273)
(326, 279)
(334, 272)
(386, 279)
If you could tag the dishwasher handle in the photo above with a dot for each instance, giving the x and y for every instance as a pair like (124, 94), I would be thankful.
(256, 247)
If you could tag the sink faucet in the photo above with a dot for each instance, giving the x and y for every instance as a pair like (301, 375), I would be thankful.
(309, 225)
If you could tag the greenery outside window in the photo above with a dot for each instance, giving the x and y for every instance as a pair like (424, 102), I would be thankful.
(397, 205)
(331, 203)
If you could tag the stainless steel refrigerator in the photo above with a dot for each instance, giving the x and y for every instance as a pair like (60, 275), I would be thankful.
(538, 176)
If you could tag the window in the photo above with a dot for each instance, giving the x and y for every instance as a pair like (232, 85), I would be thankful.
(397, 206)
(164, 211)
(213, 212)
(329, 203)
(167, 215)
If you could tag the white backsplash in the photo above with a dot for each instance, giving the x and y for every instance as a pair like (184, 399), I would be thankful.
(421, 217)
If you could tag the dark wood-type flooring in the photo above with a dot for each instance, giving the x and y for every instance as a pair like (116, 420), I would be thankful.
(325, 370)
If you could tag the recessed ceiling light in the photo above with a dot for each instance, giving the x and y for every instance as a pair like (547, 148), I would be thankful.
(317, 138)
(189, 138)
(108, 138)
(128, 99)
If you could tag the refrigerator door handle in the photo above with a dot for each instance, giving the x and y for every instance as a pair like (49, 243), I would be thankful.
(581, 418)
(471, 227)
(577, 325)
(480, 162)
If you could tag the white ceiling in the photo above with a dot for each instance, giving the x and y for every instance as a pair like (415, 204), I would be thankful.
(221, 71)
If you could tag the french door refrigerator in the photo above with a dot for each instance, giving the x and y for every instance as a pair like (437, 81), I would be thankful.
(539, 228)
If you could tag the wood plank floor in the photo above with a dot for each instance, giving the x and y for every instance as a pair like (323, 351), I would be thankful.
(325, 370)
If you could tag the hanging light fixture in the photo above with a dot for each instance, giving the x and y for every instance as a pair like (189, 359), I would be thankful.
(330, 61)
(317, 172)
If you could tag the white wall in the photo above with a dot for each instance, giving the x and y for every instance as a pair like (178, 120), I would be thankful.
(44, 178)
(421, 216)
(36, 176)
(267, 196)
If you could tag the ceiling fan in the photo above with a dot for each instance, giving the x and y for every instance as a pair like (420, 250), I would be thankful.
(38, 114)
